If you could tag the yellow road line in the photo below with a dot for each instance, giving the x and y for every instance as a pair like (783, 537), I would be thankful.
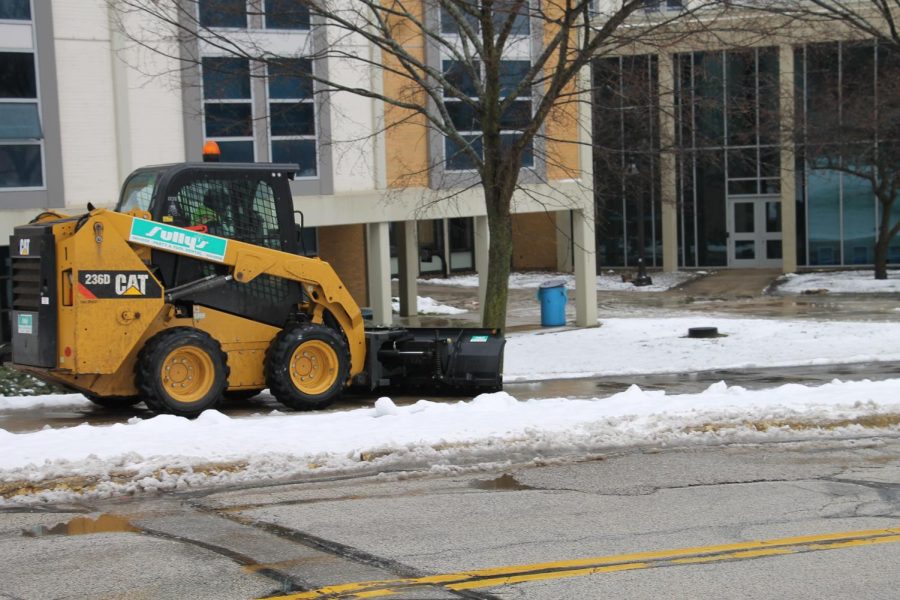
(496, 576)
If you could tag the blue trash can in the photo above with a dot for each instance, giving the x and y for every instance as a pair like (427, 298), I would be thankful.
(552, 295)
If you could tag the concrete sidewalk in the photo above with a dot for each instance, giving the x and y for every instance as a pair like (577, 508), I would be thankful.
(742, 292)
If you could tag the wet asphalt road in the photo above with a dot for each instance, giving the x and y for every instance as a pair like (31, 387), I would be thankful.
(783, 520)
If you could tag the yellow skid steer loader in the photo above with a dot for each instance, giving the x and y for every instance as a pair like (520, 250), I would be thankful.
(192, 291)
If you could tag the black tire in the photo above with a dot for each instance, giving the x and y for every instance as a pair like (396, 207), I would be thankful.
(325, 361)
(241, 395)
(113, 401)
(176, 348)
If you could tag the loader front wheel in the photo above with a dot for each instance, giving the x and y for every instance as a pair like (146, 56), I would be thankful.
(182, 371)
(307, 366)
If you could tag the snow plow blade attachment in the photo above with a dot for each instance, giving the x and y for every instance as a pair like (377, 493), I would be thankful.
(439, 359)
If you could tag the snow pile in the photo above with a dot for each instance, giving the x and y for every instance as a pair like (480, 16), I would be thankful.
(53, 401)
(168, 452)
(840, 282)
(624, 346)
(609, 282)
(429, 306)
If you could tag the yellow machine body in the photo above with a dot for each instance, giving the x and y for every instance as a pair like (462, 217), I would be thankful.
(99, 338)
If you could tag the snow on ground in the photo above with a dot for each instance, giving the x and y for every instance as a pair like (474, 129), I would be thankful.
(840, 282)
(607, 282)
(168, 452)
(622, 346)
(429, 306)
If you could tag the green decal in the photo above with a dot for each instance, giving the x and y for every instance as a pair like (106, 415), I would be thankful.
(26, 324)
(169, 237)
(478, 338)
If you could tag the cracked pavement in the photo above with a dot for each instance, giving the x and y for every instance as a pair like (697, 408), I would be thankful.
(299, 535)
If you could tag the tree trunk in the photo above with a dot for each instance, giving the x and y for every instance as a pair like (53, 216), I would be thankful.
(883, 241)
(499, 257)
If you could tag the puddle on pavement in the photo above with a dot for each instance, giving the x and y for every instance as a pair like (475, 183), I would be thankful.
(84, 526)
(505, 482)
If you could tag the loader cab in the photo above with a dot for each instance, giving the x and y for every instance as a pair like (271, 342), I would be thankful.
(246, 202)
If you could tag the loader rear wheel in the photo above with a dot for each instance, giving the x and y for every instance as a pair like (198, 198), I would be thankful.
(182, 371)
(307, 366)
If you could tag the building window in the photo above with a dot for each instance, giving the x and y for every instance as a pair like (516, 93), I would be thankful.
(286, 14)
(228, 107)
(662, 5)
(503, 10)
(465, 118)
(292, 122)
(15, 10)
(21, 137)
(223, 13)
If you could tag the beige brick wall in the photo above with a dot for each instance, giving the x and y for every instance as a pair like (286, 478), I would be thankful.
(344, 247)
(534, 241)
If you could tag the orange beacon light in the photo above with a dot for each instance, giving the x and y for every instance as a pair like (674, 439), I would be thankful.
(211, 152)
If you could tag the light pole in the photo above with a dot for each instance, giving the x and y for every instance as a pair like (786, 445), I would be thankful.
(631, 173)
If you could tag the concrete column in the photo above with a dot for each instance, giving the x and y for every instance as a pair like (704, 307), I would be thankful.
(788, 160)
(667, 163)
(563, 220)
(482, 241)
(408, 259)
(585, 267)
(378, 269)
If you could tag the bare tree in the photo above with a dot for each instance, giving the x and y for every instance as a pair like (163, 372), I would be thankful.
(470, 97)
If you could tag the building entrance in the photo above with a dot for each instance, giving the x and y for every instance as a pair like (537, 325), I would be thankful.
(754, 231)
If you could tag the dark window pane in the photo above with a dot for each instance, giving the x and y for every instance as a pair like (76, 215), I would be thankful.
(228, 120)
(773, 217)
(301, 152)
(19, 121)
(459, 75)
(741, 187)
(511, 74)
(745, 249)
(773, 249)
(286, 14)
(290, 79)
(20, 166)
(226, 78)
(517, 116)
(15, 9)
(450, 23)
(292, 118)
(457, 158)
(223, 13)
(823, 190)
(743, 217)
(236, 151)
(504, 11)
(859, 221)
(769, 186)
(17, 75)
(463, 116)
(740, 79)
(527, 158)
(742, 163)
(708, 99)
(769, 162)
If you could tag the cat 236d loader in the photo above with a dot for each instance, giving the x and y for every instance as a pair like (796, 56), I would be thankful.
(192, 290)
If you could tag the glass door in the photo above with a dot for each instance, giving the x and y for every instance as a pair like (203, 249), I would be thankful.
(754, 231)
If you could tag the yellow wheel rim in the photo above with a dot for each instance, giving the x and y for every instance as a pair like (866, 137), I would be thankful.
(313, 367)
(187, 374)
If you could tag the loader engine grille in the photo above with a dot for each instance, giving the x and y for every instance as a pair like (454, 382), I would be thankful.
(26, 283)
